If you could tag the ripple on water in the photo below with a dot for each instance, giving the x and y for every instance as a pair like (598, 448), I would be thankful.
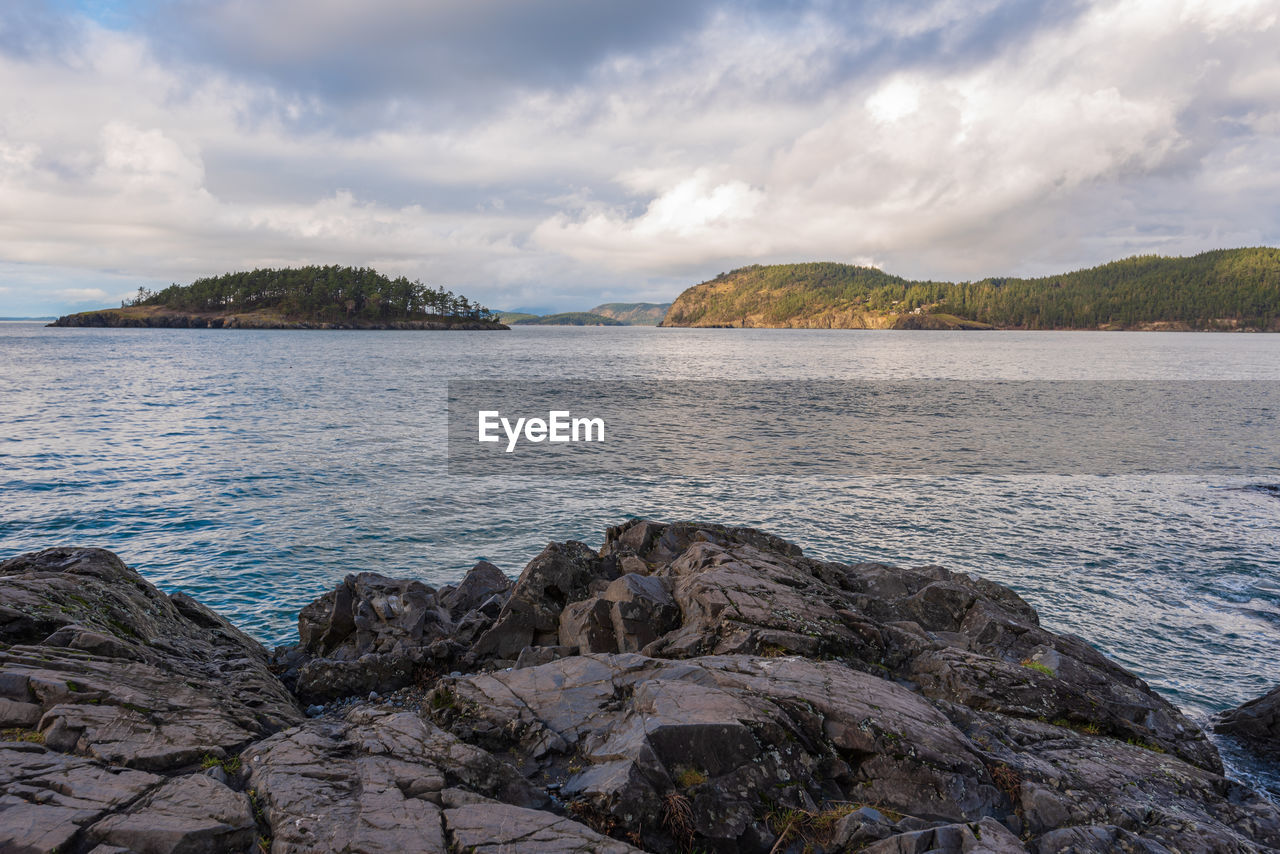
(254, 470)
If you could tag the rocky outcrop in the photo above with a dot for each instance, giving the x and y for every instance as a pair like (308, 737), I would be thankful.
(113, 696)
(1256, 722)
(563, 573)
(104, 665)
(686, 687)
(373, 633)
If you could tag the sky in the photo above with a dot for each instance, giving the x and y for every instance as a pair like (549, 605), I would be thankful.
(556, 154)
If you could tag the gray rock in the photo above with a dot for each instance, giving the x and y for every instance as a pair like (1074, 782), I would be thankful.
(722, 731)
(532, 656)
(773, 695)
(1257, 722)
(372, 614)
(958, 638)
(1097, 839)
(194, 814)
(588, 625)
(641, 610)
(370, 633)
(125, 674)
(505, 829)
(48, 798)
(482, 583)
(531, 617)
(370, 782)
(984, 837)
(321, 680)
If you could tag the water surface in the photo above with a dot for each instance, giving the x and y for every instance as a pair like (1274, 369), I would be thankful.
(254, 469)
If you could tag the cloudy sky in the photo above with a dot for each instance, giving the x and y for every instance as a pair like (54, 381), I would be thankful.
(556, 154)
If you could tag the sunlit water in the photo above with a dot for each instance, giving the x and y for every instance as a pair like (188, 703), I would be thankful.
(254, 469)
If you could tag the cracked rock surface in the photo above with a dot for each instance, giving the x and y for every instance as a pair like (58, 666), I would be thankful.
(687, 687)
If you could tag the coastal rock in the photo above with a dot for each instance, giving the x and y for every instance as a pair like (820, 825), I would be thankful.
(1256, 722)
(501, 828)
(483, 582)
(368, 633)
(370, 613)
(718, 732)
(688, 687)
(984, 837)
(373, 633)
(372, 781)
(957, 638)
(562, 574)
(193, 814)
(48, 798)
(123, 673)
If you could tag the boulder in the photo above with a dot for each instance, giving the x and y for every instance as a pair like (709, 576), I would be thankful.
(640, 610)
(562, 574)
(372, 614)
(483, 582)
(1256, 722)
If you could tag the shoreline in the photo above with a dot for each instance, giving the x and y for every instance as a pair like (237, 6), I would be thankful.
(685, 685)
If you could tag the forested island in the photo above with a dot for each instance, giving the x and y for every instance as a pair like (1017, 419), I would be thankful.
(314, 297)
(1227, 289)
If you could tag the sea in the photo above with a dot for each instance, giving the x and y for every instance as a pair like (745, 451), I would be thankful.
(254, 469)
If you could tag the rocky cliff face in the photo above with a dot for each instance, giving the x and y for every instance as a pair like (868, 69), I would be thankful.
(687, 687)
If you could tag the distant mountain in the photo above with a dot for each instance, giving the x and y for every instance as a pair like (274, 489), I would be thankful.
(43, 317)
(568, 318)
(1226, 289)
(634, 313)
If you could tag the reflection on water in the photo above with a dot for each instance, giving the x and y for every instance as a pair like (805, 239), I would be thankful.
(254, 469)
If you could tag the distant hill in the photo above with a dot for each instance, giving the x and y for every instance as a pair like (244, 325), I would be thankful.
(515, 316)
(569, 318)
(289, 298)
(1226, 289)
(634, 313)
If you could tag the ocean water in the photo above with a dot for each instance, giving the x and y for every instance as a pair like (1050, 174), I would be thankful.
(254, 469)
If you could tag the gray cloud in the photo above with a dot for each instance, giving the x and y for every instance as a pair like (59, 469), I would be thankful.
(599, 151)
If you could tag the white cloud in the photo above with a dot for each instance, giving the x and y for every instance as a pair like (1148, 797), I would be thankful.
(1136, 125)
(82, 294)
(955, 170)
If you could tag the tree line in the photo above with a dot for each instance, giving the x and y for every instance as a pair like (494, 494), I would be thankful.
(329, 293)
(1239, 285)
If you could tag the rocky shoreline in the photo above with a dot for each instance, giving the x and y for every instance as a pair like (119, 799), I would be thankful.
(154, 319)
(687, 687)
